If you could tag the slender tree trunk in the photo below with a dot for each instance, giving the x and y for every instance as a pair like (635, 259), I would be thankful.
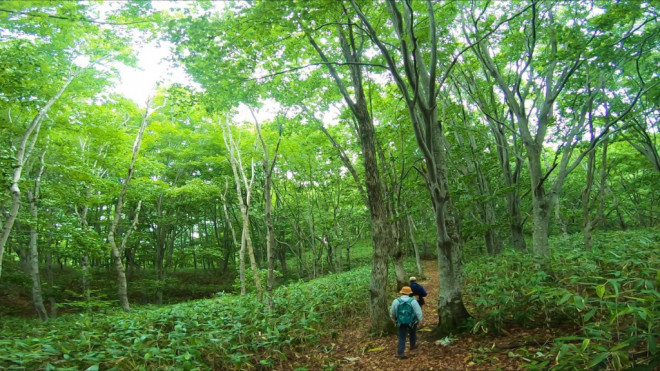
(516, 223)
(23, 152)
(268, 201)
(486, 207)
(561, 221)
(37, 298)
(230, 226)
(397, 255)
(237, 168)
(51, 282)
(589, 223)
(451, 310)
(117, 251)
(418, 260)
(161, 245)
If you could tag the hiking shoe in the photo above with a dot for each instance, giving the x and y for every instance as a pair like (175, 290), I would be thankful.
(414, 347)
(401, 356)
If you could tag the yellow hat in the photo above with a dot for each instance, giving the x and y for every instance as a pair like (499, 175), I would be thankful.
(405, 290)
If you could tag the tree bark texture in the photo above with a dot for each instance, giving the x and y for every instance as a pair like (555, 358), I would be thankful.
(244, 203)
(380, 228)
(37, 297)
(23, 152)
(117, 251)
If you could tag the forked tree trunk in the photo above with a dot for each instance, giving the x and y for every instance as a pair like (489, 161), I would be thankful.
(23, 151)
(117, 252)
(423, 114)
(244, 203)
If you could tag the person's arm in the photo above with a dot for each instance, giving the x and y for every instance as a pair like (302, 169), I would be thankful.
(393, 310)
(418, 311)
(423, 291)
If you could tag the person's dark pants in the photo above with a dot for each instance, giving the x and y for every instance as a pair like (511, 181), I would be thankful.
(403, 331)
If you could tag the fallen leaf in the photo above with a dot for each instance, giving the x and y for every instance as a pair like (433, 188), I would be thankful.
(377, 349)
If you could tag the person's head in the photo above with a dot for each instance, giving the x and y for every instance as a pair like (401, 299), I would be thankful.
(405, 290)
(413, 279)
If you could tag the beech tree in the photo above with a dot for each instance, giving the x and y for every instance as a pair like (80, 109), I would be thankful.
(418, 87)
(536, 92)
(243, 185)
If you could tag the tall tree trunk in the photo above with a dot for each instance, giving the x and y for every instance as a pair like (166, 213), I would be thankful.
(486, 206)
(117, 251)
(541, 208)
(51, 282)
(588, 223)
(244, 203)
(268, 201)
(418, 260)
(488, 103)
(23, 152)
(397, 251)
(423, 114)
(562, 223)
(37, 298)
(230, 226)
(161, 244)
(380, 226)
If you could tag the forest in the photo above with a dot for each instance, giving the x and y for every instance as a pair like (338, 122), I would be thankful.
(263, 211)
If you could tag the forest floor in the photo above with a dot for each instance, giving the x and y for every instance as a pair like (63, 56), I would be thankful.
(354, 348)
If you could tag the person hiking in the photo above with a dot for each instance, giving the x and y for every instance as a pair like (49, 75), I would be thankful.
(417, 291)
(406, 314)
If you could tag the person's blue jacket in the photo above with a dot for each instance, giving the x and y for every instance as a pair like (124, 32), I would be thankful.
(413, 303)
(417, 289)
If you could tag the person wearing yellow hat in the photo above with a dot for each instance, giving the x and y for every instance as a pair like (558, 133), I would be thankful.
(406, 314)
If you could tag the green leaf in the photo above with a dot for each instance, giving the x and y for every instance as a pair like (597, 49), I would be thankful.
(589, 314)
(564, 299)
(653, 346)
(598, 360)
(600, 291)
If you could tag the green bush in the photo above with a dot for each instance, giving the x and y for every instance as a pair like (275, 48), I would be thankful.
(249, 280)
(609, 296)
(226, 332)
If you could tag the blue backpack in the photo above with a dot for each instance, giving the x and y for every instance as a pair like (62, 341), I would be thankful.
(405, 314)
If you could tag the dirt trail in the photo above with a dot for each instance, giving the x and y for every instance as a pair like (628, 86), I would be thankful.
(354, 349)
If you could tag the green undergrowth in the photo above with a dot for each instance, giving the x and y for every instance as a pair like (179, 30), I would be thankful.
(607, 300)
(227, 332)
(178, 286)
